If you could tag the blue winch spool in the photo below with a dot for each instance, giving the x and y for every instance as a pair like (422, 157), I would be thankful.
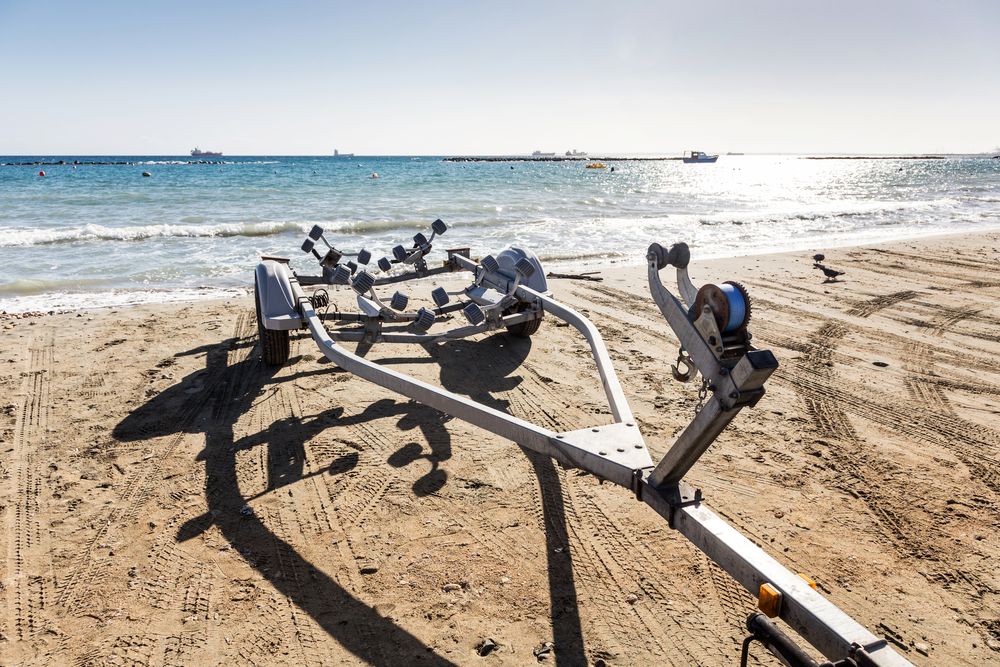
(737, 306)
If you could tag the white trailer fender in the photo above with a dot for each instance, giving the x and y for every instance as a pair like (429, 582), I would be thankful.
(274, 293)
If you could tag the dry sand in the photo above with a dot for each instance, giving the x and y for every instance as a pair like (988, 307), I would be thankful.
(169, 500)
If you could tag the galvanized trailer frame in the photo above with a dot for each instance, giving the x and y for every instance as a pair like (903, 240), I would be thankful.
(617, 452)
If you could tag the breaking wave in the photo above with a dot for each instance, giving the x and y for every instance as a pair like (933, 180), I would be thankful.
(93, 232)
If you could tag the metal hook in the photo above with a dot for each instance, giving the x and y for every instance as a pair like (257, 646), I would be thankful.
(690, 368)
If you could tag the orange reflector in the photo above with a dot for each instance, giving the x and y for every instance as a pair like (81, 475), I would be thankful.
(812, 584)
(769, 601)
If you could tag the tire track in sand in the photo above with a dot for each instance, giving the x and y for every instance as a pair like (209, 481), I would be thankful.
(27, 565)
(87, 572)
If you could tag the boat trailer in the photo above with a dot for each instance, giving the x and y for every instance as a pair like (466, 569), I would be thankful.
(509, 291)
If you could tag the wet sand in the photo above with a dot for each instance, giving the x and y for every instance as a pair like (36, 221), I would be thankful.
(169, 500)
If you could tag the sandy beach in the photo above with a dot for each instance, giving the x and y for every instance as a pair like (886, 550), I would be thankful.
(169, 500)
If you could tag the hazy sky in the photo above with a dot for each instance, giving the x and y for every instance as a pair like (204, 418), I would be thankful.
(494, 77)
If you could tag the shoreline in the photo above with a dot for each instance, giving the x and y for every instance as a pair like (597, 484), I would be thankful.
(117, 298)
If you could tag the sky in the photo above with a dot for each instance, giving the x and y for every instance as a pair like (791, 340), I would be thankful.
(499, 78)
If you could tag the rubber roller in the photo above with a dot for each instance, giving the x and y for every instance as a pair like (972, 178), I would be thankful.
(399, 301)
(474, 314)
(440, 297)
(490, 263)
(341, 275)
(363, 282)
(424, 320)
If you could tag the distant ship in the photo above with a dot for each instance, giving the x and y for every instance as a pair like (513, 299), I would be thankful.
(734, 153)
(200, 153)
(574, 153)
(339, 154)
(541, 154)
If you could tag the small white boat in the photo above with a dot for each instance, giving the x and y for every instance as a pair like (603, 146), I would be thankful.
(698, 156)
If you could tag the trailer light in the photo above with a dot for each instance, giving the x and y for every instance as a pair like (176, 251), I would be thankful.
(769, 601)
(812, 584)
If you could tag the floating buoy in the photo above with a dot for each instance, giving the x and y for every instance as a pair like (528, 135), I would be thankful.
(41, 173)
(374, 175)
(314, 171)
(146, 174)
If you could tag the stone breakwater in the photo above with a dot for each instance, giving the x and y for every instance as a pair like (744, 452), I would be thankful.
(560, 159)
(76, 162)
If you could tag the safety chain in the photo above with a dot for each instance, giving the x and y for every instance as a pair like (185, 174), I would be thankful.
(702, 394)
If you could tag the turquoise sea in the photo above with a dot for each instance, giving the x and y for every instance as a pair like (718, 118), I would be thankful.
(87, 236)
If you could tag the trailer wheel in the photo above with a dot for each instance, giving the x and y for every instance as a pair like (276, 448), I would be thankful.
(274, 343)
(522, 329)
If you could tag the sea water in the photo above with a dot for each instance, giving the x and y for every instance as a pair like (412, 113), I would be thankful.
(85, 236)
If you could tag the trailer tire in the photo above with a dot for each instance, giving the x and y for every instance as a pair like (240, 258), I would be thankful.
(274, 343)
(523, 329)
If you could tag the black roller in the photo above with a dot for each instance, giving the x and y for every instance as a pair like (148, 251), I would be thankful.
(399, 252)
(399, 301)
(679, 255)
(439, 227)
(315, 232)
(424, 321)
(490, 263)
(364, 257)
(384, 264)
(474, 314)
(440, 297)
(419, 239)
(353, 267)
(363, 282)
(525, 267)
(307, 245)
(341, 275)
